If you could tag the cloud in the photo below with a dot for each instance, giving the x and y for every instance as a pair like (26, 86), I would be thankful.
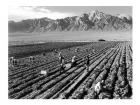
(30, 12)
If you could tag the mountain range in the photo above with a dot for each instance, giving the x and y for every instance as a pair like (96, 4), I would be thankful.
(94, 20)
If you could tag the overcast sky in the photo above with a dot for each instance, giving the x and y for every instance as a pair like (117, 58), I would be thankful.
(55, 12)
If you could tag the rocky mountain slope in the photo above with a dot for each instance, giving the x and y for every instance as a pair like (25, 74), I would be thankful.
(93, 20)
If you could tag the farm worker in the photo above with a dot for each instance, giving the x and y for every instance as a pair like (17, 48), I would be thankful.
(93, 51)
(77, 50)
(61, 62)
(31, 58)
(11, 59)
(59, 54)
(14, 62)
(69, 49)
(55, 51)
(87, 62)
(44, 54)
(99, 87)
(73, 61)
(62, 67)
(61, 59)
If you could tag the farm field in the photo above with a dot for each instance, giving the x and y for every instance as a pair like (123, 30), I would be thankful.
(20, 51)
(111, 61)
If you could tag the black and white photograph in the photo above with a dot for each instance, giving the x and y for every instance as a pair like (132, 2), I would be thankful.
(70, 52)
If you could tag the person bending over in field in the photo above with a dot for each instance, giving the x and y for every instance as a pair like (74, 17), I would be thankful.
(87, 62)
(31, 58)
(73, 61)
(44, 54)
(55, 52)
(99, 87)
(11, 59)
(77, 49)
